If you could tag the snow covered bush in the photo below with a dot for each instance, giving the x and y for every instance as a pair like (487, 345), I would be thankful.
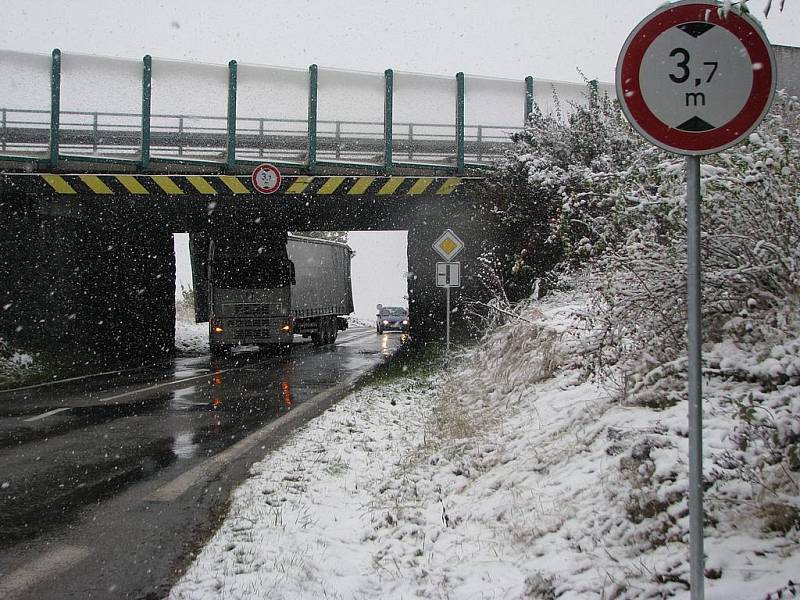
(609, 212)
(15, 366)
(560, 173)
(592, 479)
(601, 199)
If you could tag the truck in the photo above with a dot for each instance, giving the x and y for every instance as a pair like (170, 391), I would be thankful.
(263, 292)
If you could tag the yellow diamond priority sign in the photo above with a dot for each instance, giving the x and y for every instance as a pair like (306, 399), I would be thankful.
(448, 245)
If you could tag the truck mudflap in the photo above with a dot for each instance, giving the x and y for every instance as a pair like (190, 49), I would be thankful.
(342, 323)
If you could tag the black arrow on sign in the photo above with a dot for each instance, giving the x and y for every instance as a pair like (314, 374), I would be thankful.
(695, 29)
(695, 124)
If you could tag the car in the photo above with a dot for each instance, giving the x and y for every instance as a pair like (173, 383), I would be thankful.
(392, 318)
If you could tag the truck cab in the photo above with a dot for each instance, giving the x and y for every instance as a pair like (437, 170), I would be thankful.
(263, 289)
(249, 296)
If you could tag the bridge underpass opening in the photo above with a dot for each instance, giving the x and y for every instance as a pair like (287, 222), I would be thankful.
(379, 271)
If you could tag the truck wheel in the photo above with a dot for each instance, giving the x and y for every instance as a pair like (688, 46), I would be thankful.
(318, 336)
(327, 332)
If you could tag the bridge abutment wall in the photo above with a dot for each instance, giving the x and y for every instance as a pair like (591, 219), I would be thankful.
(86, 283)
(93, 274)
(19, 297)
(427, 302)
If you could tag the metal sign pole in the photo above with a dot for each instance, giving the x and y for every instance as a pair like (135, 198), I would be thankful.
(696, 558)
(448, 318)
(674, 103)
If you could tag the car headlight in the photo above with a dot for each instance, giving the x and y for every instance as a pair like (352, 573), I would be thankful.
(385, 322)
(405, 322)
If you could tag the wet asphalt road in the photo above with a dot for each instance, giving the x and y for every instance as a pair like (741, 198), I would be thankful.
(108, 485)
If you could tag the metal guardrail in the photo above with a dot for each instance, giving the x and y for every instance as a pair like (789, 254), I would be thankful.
(109, 135)
(49, 137)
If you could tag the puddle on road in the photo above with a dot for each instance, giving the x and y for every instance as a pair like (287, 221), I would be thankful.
(184, 446)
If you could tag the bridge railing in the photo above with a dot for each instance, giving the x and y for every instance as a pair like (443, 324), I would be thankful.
(118, 136)
(111, 110)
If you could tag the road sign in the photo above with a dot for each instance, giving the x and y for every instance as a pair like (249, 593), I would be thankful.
(266, 178)
(448, 274)
(448, 245)
(694, 82)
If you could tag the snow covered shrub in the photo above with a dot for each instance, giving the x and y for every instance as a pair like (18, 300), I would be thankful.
(588, 191)
(559, 163)
(184, 306)
(610, 208)
(653, 494)
(15, 366)
(764, 451)
(540, 587)
(750, 253)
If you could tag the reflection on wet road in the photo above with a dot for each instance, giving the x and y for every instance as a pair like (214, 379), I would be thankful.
(64, 450)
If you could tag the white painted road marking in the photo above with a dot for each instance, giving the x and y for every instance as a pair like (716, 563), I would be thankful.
(49, 413)
(179, 383)
(44, 567)
(172, 385)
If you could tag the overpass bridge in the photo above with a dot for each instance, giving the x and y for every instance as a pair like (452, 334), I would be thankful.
(104, 159)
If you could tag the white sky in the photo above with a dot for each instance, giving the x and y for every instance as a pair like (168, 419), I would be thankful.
(513, 38)
(548, 39)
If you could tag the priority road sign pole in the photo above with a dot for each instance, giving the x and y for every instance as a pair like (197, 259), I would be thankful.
(696, 558)
(447, 320)
(448, 245)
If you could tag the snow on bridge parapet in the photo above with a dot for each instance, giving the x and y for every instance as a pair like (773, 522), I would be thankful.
(243, 114)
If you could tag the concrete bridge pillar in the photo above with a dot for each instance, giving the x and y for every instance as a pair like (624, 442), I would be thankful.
(427, 302)
(90, 284)
(19, 226)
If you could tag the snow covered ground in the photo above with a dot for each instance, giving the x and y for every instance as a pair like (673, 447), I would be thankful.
(15, 365)
(191, 337)
(509, 474)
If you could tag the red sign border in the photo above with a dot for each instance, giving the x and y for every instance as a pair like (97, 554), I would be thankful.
(268, 167)
(704, 142)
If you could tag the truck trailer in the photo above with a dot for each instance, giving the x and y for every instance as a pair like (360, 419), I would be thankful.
(263, 293)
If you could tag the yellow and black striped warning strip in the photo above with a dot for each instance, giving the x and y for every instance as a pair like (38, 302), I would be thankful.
(240, 185)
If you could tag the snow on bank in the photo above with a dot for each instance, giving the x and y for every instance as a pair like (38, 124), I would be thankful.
(359, 322)
(509, 475)
(15, 365)
(191, 337)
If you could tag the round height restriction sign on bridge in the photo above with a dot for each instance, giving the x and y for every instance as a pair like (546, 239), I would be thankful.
(266, 178)
(694, 81)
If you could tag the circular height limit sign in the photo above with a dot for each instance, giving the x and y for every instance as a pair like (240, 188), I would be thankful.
(266, 178)
(695, 82)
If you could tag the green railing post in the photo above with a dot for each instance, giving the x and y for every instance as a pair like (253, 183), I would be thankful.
(55, 106)
(147, 80)
(528, 97)
(388, 105)
(233, 73)
(313, 75)
(460, 122)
